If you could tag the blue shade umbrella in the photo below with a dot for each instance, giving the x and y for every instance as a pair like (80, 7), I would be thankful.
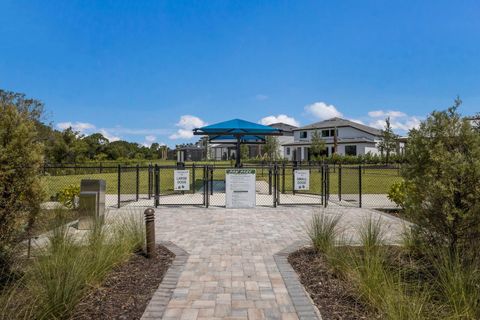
(237, 131)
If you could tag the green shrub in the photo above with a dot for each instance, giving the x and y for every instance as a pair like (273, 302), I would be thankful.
(68, 194)
(443, 170)
(20, 161)
(397, 193)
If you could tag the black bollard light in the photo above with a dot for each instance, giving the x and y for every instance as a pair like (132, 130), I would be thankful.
(150, 232)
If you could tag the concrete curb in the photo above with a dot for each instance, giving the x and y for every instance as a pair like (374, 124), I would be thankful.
(157, 305)
(304, 306)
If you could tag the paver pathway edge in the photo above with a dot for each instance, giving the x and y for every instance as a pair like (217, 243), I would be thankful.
(236, 267)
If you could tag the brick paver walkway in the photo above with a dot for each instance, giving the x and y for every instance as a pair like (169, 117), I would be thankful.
(230, 270)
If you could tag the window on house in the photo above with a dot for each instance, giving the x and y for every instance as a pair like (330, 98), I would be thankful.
(288, 151)
(303, 135)
(328, 133)
(351, 150)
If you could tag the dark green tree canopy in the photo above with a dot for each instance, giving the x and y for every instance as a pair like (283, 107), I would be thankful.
(443, 178)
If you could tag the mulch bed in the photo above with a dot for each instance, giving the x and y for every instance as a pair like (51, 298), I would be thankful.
(333, 296)
(127, 289)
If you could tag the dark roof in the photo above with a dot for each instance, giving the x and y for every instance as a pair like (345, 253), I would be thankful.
(283, 126)
(339, 122)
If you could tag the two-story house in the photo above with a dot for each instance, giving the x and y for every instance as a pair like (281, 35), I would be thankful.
(350, 138)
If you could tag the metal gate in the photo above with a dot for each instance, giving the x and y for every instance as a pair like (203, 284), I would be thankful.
(274, 185)
(313, 193)
(365, 185)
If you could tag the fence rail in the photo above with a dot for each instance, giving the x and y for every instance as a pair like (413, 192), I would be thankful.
(153, 185)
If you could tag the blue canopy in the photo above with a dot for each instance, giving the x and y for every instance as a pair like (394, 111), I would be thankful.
(237, 131)
(233, 139)
(237, 127)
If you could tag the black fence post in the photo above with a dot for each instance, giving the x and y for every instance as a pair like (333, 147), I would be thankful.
(157, 186)
(339, 182)
(275, 183)
(360, 186)
(203, 187)
(327, 185)
(193, 178)
(327, 192)
(119, 185)
(293, 180)
(137, 182)
(211, 181)
(149, 181)
(207, 195)
(270, 180)
(283, 178)
(322, 184)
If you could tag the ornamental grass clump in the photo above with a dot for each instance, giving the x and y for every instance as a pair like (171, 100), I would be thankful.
(66, 269)
(380, 286)
(457, 283)
(323, 231)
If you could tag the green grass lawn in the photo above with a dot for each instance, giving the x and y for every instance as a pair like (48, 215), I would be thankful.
(374, 181)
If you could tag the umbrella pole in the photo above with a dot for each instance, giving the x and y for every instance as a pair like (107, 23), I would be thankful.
(237, 155)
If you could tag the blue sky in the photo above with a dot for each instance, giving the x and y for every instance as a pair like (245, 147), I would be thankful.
(151, 70)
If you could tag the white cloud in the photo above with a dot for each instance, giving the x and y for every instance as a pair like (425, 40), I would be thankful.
(81, 127)
(323, 111)
(399, 121)
(357, 121)
(111, 137)
(384, 114)
(149, 140)
(186, 124)
(280, 118)
(261, 97)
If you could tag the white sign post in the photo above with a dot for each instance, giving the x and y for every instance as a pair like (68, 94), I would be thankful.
(240, 188)
(181, 180)
(302, 180)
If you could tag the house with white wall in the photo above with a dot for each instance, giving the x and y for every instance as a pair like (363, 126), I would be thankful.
(352, 138)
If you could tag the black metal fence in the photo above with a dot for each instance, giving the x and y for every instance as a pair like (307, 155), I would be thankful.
(205, 185)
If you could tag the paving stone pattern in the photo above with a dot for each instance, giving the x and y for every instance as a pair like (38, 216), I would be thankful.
(236, 265)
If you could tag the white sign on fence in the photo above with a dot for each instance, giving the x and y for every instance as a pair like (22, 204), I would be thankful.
(240, 188)
(302, 180)
(181, 180)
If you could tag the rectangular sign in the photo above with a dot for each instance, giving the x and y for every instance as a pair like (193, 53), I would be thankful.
(240, 188)
(181, 180)
(302, 180)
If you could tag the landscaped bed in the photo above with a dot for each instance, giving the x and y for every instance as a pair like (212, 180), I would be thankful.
(127, 290)
(334, 297)
(371, 279)
(101, 273)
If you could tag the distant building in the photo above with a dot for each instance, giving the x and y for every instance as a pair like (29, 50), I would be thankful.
(352, 138)
(227, 151)
(192, 151)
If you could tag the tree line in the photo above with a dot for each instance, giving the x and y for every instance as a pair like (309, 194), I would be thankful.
(70, 146)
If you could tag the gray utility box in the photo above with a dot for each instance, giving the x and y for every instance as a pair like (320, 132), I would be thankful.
(91, 202)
